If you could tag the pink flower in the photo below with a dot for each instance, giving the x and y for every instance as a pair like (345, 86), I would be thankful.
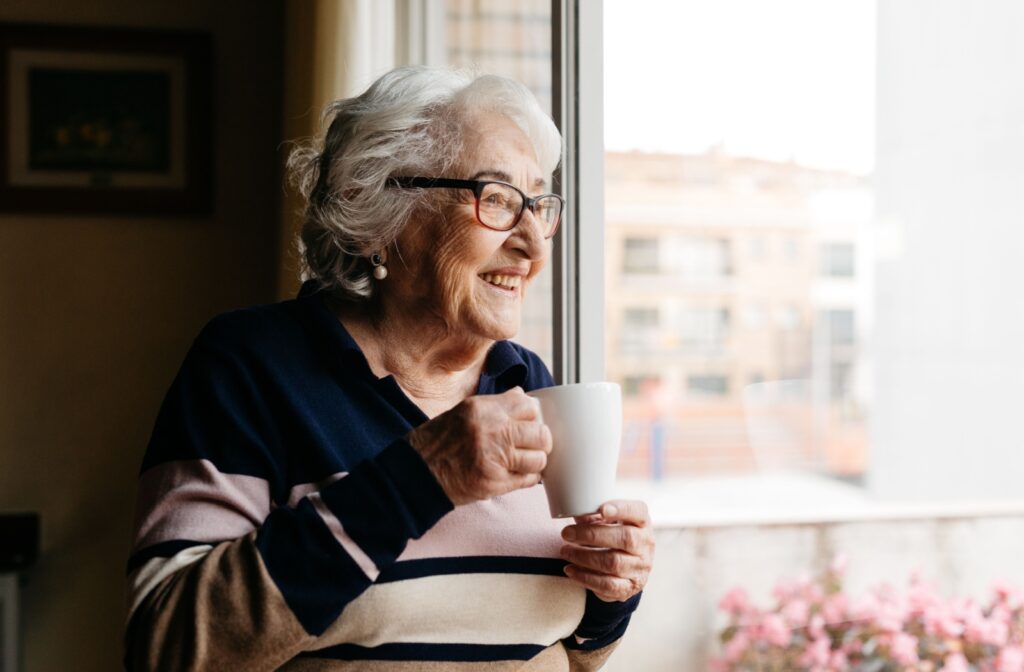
(817, 653)
(784, 590)
(736, 647)
(955, 663)
(833, 610)
(921, 599)
(796, 612)
(1008, 594)
(735, 602)
(816, 626)
(838, 564)
(1010, 659)
(773, 630)
(981, 630)
(886, 614)
(940, 621)
(903, 648)
(838, 662)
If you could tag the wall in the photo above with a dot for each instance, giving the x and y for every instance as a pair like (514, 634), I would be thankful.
(677, 624)
(948, 326)
(96, 314)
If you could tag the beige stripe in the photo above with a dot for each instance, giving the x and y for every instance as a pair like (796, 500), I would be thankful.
(518, 523)
(465, 608)
(155, 570)
(551, 659)
(221, 613)
(348, 543)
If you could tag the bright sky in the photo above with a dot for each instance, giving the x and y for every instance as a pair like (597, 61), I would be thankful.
(775, 79)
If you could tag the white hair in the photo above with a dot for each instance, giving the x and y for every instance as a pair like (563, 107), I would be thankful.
(411, 121)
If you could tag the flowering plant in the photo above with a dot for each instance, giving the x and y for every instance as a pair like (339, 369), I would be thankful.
(816, 627)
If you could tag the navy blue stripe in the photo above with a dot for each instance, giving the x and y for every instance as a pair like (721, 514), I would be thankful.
(461, 653)
(386, 501)
(481, 564)
(603, 622)
(165, 549)
(313, 572)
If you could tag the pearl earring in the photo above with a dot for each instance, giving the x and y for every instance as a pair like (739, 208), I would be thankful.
(380, 271)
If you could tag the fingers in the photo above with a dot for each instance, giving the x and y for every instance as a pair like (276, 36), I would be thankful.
(611, 552)
(603, 560)
(530, 436)
(607, 588)
(628, 511)
(633, 540)
(519, 406)
(519, 481)
(528, 461)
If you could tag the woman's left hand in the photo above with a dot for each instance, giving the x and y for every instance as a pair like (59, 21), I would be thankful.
(611, 552)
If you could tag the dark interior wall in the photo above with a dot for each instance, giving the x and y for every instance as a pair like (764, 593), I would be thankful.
(96, 313)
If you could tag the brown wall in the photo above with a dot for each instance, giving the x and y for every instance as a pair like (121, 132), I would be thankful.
(96, 313)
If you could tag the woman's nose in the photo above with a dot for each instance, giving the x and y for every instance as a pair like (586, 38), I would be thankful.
(528, 236)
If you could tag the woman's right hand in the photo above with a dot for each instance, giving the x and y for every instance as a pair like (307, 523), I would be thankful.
(486, 446)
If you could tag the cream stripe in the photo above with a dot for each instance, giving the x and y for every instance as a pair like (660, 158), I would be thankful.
(348, 543)
(155, 570)
(464, 608)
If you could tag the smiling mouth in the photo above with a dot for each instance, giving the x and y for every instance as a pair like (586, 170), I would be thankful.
(507, 282)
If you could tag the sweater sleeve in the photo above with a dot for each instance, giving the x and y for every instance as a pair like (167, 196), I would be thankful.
(599, 632)
(220, 577)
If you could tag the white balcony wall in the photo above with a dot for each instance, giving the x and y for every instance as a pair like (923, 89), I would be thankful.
(677, 624)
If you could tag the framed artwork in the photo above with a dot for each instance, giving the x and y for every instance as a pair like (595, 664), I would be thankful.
(105, 120)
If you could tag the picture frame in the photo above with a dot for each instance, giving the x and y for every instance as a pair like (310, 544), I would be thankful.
(96, 120)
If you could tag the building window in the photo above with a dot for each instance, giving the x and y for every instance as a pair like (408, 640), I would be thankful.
(839, 326)
(699, 258)
(705, 326)
(640, 256)
(707, 385)
(836, 260)
(641, 318)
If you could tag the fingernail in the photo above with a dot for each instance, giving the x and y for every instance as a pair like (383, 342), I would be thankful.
(568, 570)
(569, 534)
(609, 511)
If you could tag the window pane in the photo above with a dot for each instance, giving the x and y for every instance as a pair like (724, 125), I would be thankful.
(513, 40)
(737, 212)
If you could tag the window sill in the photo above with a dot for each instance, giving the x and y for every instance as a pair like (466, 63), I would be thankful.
(788, 498)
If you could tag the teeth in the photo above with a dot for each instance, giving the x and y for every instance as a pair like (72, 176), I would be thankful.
(508, 281)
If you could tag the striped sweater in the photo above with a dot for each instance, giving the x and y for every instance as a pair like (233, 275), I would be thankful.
(283, 522)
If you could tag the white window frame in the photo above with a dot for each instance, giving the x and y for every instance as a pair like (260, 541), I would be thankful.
(577, 37)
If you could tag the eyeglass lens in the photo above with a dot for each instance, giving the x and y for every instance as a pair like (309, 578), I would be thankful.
(501, 204)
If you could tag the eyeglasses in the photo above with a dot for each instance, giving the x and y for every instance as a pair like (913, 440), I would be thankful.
(499, 205)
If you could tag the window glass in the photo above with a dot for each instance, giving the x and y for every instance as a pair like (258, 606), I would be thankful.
(733, 207)
(823, 200)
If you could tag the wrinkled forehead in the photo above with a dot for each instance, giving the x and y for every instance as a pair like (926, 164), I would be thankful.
(495, 147)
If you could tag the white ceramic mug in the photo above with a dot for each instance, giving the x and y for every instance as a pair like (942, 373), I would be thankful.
(585, 420)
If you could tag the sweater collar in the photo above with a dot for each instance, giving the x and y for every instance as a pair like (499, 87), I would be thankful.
(504, 367)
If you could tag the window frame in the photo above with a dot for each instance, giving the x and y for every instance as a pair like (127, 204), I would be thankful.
(577, 44)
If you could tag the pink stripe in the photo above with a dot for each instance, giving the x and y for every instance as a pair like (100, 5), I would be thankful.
(349, 544)
(518, 523)
(299, 491)
(191, 499)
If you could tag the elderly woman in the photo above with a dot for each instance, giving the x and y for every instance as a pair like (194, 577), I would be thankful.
(349, 480)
